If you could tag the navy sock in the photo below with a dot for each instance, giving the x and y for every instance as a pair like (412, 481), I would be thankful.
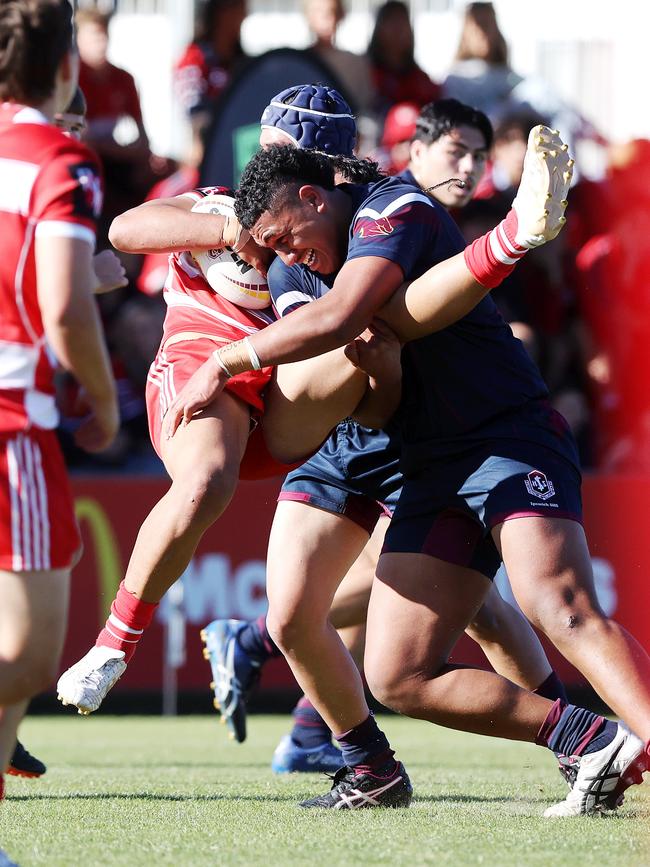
(552, 688)
(366, 747)
(254, 638)
(574, 731)
(309, 728)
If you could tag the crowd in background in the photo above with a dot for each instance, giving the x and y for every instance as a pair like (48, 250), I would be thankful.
(574, 303)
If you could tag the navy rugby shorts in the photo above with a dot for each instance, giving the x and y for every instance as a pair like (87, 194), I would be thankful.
(449, 509)
(355, 473)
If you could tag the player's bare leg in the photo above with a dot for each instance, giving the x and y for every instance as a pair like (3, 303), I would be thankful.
(505, 637)
(33, 616)
(556, 592)
(306, 400)
(204, 468)
(298, 609)
(509, 642)
(203, 461)
(424, 601)
(350, 603)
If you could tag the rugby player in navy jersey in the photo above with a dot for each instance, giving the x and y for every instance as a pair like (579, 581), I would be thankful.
(345, 493)
(308, 402)
(490, 472)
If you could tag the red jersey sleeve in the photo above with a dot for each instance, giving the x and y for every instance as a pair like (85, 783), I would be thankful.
(67, 194)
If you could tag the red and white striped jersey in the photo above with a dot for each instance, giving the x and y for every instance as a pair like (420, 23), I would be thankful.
(192, 305)
(50, 185)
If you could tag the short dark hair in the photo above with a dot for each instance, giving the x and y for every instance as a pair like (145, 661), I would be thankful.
(34, 37)
(438, 118)
(77, 104)
(273, 174)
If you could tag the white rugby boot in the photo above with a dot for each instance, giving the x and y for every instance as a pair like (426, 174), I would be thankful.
(604, 776)
(541, 199)
(86, 683)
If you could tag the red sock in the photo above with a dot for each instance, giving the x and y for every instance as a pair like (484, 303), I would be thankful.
(126, 623)
(493, 256)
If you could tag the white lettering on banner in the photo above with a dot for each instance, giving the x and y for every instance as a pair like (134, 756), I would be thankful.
(604, 582)
(249, 590)
(211, 589)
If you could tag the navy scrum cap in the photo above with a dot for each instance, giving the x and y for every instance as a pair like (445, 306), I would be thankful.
(313, 116)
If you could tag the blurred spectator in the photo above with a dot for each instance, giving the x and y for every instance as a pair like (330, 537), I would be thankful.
(352, 70)
(509, 149)
(113, 119)
(394, 152)
(207, 64)
(481, 76)
(396, 75)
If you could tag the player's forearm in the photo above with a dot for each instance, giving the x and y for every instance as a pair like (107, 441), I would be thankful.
(65, 277)
(160, 227)
(76, 338)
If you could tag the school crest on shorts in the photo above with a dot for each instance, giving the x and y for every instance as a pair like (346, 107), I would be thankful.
(538, 485)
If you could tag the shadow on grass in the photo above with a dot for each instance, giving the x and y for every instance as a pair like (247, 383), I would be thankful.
(151, 796)
(146, 796)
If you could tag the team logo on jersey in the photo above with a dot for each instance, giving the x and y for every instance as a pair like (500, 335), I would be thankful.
(380, 226)
(88, 193)
(538, 485)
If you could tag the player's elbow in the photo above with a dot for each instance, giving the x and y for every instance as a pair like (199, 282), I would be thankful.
(121, 234)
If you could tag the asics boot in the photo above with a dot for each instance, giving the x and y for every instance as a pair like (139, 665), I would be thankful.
(353, 791)
(603, 777)
(234, 673)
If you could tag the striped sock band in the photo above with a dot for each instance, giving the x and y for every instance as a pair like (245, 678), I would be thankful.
(126, 623)
(493, 256)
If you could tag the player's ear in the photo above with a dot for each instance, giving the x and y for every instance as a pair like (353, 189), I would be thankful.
(311, 195)
(416, 149)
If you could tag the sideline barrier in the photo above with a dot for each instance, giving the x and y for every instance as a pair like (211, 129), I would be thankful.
(226, 576)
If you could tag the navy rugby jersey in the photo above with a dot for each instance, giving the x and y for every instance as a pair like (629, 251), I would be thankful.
(291, 288)
(462, 384)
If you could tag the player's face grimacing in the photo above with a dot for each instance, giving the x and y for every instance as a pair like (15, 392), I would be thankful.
(461, 153)
(303, 232)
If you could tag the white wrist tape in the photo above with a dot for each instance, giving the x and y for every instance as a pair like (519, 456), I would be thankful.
(221, 364)
(254, 357)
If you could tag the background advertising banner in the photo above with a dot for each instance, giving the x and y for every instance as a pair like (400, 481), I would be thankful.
(226, 577)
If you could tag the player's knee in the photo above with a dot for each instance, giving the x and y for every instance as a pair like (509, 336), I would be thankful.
(389, 687)
(289, 628)
(206, 492)
(565, 615)
(485, 626)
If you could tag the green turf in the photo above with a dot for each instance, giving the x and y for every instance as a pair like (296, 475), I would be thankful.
(140, 791)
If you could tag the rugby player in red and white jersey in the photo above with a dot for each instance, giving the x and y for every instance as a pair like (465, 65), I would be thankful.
(206, 460)
(50, 197)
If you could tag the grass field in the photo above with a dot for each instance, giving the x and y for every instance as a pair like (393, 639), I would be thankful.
(145, 790)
